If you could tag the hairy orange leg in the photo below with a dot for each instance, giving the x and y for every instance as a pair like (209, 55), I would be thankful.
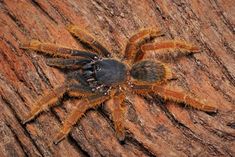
(183, 46)
(79, 91)
(67, 63)
(50, 98)
(87, 38)
(175, 96)
(81, 107)
(55, 50)
(46, 48)
(118, 113)
(46, 101)
(133, 45)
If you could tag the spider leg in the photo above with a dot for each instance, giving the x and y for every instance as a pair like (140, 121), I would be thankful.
(76, 75)
(46, 101)
(55, 50)
(175, 96)
(134, 43)
(118, 113)
(50, 98)
(78, 90)
(87, 38)
(67, 63)
(81, 107)
(184, 47)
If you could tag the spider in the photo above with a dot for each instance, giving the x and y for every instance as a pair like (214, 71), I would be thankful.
(96, 77)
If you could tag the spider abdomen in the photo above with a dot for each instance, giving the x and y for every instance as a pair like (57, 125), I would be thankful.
(148, 71)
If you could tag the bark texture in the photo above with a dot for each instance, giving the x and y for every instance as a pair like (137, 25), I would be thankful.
(154, 127)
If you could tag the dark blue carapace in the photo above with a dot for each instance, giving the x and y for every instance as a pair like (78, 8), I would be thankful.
(110, 72)
(100, 75)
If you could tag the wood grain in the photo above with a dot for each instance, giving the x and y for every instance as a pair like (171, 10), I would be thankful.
(154, 127)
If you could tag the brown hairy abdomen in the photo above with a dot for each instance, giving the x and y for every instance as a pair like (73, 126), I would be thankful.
(148, 71)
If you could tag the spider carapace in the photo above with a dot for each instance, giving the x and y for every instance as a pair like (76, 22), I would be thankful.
(103, 74)
(95, 77)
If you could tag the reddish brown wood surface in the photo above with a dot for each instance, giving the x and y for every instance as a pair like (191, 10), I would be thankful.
(154, 127)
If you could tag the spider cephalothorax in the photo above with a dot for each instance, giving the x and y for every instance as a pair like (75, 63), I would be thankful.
(97, 77)
(110, 72)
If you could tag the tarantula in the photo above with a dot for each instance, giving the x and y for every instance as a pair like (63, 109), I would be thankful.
(97, 77)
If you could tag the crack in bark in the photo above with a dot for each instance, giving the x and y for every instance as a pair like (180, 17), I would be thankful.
(41, 74)
(225, 43)
(17, 140)
(231, 125)
(223, 135)
(211, 54)
(10, 45)
(140, 146)
(106, 23)
(12, 68)
(9, 147)
(110, 14)
(224, 69)
(222, 17)
(218, 61)
(213, 80)
(40, 8)
(91, 144)
(27, 134)
(128, 136)
(64, 19)
(184, 129)
(77, 147)
(230, 51)
(157, 9)
(12, 88)
(14, 19)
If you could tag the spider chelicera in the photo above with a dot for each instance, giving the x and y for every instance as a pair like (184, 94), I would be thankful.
(97, 77)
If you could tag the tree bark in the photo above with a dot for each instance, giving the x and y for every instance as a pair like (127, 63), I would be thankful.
(155, 127)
